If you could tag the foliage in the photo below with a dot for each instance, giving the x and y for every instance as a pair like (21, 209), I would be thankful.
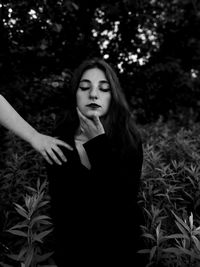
(169, 194)
(20, 168)
(31, 229)
(154, 46)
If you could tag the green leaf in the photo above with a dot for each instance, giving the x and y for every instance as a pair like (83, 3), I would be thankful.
(17, 232)
(29, 257)
(38, 219)
(13, 256)
(182, 230)
(152, 253)
(20, 207)
(40, 236)
(191, 220)
(19, 226)
(43, 203)
(174, 250)
(31, 189)
(174, 236)
(190, 253)
(182, 222)
(158, 230)
(144, 251)
(196, 241)
(196, 231)
(22, 253)
(149, 236)
(21, 210)
(45, 222)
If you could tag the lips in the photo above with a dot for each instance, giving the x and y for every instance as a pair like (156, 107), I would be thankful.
(93, 105)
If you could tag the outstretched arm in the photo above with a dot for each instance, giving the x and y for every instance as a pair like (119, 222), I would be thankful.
(44, 144)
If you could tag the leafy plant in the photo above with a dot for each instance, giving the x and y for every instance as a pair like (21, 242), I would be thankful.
(32, 229)
(170, 186)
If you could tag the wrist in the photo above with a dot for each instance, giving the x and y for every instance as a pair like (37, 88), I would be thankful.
(33, 137)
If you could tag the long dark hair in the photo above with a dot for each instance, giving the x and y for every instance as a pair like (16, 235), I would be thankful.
(118, 123)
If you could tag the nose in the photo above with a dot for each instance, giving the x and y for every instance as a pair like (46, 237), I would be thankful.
(93, 94)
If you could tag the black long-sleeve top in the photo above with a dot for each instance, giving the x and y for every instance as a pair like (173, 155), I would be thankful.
(95, 211)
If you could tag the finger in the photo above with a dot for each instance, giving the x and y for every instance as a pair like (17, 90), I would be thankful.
(52, 156)
(60, 153)
(45, 156)
(81, 116)
(59, 142)
(83, 120)
(96, 119)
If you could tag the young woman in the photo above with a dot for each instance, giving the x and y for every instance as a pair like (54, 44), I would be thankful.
(94, 194)
(46, 145)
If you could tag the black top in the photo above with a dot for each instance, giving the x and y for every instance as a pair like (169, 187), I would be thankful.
(94, 211)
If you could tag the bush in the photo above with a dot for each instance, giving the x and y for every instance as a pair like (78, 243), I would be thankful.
(169, 195)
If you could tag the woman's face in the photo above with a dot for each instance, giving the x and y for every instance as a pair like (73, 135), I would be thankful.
(94, 93)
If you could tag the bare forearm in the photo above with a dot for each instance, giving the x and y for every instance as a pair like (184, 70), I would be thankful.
(46, 145)
(11, 120)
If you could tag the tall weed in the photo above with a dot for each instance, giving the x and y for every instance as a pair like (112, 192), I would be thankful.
(169, 195)
(31, 229)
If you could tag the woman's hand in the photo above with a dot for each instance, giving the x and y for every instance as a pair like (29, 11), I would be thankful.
(47, 146)
(90, 127)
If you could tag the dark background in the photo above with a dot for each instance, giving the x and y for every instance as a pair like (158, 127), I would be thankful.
(154, 46)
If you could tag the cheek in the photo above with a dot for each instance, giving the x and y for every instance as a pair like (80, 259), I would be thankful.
(79, 99)
(107, 101)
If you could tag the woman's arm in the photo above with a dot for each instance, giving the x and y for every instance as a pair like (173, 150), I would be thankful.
(44, 144)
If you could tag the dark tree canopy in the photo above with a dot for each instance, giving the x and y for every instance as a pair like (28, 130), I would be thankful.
(154, 45)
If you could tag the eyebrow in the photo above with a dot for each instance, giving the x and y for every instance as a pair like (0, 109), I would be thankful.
(88, 81)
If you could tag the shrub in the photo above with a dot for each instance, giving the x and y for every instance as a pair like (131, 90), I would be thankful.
(31, 229)
(169, 195)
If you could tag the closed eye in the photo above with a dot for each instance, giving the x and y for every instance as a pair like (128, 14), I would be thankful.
(84, 88)
(104, 89)
(84, 85)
